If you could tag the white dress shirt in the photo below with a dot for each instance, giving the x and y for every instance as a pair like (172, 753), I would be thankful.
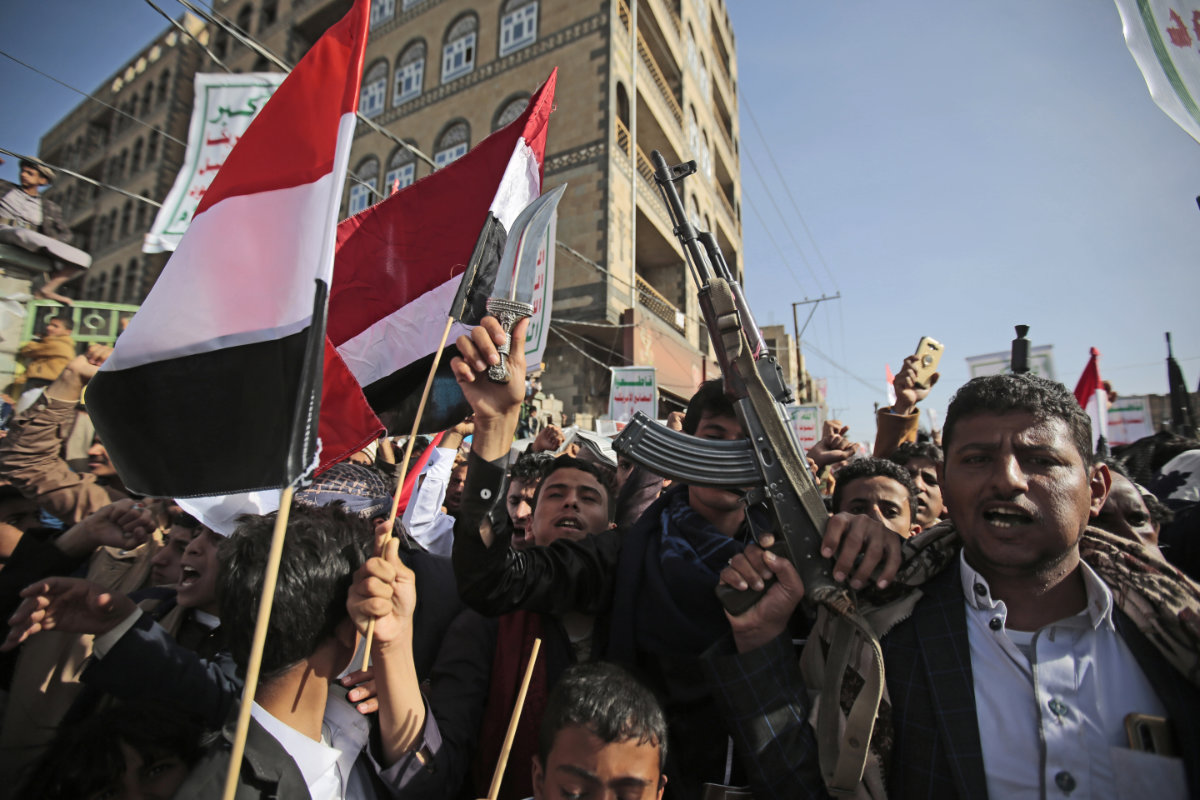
(1052, 703)
(328, 766)
(423, 518)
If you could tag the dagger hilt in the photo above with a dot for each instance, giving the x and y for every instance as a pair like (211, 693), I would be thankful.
(507, 313)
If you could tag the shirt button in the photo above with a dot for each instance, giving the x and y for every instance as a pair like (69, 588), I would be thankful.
(995, 623)
(980, 589)
(1065, 781)
(1058, 707)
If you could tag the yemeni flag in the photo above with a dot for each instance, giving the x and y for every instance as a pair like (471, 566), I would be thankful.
(214, 389)
(1092, 397)
(425, 252)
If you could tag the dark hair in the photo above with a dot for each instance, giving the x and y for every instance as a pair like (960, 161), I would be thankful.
(183, 519)
(67, 322)
(607, 701)
(530, 466)
(1160, 514)
(907, 451)
(1026, 393)
(709, 398)
(861, 468)
(568, 462)
(1145, 457)
(322, 549)
(86, 757)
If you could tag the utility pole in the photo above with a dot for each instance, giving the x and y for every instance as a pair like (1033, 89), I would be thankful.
(802, 395)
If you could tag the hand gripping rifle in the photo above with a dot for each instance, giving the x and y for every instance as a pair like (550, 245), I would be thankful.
(770, 468)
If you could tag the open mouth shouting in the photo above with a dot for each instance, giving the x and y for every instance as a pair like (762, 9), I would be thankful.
(1007, 516)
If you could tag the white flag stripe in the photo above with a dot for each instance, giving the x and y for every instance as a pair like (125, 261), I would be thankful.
(402, 337)
(519, 187)
(246, 270)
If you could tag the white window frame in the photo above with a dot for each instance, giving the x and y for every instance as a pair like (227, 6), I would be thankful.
(360, 199)
(462, 50)
(414, 71)
(525, 20)
(382, 11)
(372, 98)
(405, 172)
(452, 153)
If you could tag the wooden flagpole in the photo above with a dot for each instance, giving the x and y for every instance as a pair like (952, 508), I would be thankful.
(258, 643)
(408, 448)
(498, 776)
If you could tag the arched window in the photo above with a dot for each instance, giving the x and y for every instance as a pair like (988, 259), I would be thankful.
(164, 82)
(243, 18)
(410, 73)
(693, 131)
(452, 144)
(509, 110)
(374, 90)
(139, 223)
(147, 98)
(362, 190)
(152, 147)
(623, 104)
(706, 156)
(458, 49)
(268, 14)
(518, 25)
(221, 44)
(133, 282)
(402, 170)
(112, 226)
(126, 217)
(382, 11)
(135, 162)
(114, 285)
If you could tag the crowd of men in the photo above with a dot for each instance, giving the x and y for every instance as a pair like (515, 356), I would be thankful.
(1035, 604)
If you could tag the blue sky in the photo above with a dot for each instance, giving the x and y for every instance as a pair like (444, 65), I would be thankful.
(962, 168)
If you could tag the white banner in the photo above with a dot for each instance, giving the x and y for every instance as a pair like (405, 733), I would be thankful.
(1164, 38)
(223, 109)
(633, 389)
(1041, 362)
(543, 293)
(1129, 419)
(806, 424)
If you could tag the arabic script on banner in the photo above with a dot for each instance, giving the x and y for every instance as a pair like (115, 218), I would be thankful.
(633, 389)
(1164, 38)
(224, 107)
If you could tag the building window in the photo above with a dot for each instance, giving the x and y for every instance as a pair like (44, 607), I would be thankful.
(407, 4)
(135, 163)
(706, 156)
(374, 90)
(410, 73)
(452, 144)
(139, 223)
(518, 25)
(152, 147)
(402, 170)
(147, 98)
(126, 218)
(363, 185)
(458, 52)
(163, 83)
(114, 285)
(382, 11)
(510, 110)
(132, 282)
(693, 133)
(268, 14)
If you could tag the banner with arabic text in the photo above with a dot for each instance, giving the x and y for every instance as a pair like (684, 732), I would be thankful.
(1164, 38)
(224, 107)
(633, 389)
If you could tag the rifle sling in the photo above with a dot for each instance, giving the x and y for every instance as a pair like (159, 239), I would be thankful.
(850, 754)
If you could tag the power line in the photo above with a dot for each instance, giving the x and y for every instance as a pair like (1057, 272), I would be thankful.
(787, 189)
(93, 98)
(809, 347)
(783, 219)
(212, 56)
(771, 237)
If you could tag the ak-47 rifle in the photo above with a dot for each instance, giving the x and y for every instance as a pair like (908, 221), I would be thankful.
(769, 467)
(768, 464)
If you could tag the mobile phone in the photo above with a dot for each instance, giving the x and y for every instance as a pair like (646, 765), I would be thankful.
(929, 352)
(1150, 734)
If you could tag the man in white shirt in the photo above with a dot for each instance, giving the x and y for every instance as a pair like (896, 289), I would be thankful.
(1029, 650)
(305, 739)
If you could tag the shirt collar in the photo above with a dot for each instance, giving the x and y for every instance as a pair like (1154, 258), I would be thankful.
(312, 758)
(1099, 597)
